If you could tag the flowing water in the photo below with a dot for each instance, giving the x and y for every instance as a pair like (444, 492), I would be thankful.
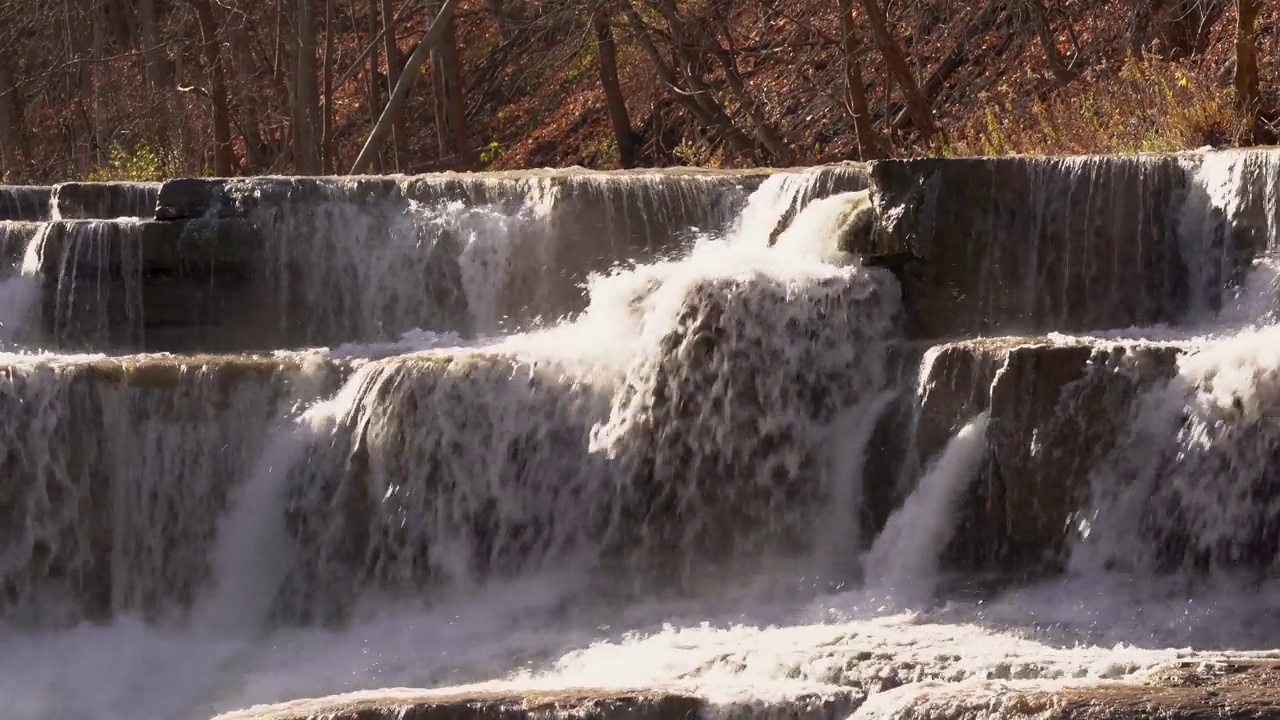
(664, 490)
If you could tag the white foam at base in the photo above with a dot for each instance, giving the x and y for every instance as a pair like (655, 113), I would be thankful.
(514, 632)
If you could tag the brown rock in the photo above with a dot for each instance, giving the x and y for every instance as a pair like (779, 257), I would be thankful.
(1056, 414)
(452, 705)
(94, 522)
(1230, 689)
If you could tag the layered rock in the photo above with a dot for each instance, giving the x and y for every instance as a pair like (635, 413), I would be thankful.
(446, 705)
(710, 451)
(1209, 689)
(15, 236)
(365, 259)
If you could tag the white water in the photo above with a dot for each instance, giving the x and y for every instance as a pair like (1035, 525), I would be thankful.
(771, 635)
(903, 562)
(20, 292)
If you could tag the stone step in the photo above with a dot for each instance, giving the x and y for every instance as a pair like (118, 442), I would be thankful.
(295, 262)
(104, 200)
(1001, 246)
(1057, 408)
(15, 236)
(116, 471)
(133, 286)
(1210, 687)
(447, 705)
(24, 202)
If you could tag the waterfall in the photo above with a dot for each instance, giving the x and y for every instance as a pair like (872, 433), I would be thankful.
(904, 559)
(514, 435)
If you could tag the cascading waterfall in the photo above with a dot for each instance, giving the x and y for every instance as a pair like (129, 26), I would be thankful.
(665, 489)
(1201, 468)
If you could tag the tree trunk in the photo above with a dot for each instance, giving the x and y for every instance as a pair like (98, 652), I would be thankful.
(95, 77)
(696, 98)
(1248, 97)
(447, 65)
(869, 145)
(326, 120)
(1040, 19)
(257, 151)
(395, 63)
(155, 65)
(615, 102)
(898, 68)
(12, 140)
(401, 89)
(223, 158)
(122, 23)
(305, 157)
(371, 87)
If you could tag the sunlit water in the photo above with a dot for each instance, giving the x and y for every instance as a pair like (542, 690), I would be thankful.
(884, 622)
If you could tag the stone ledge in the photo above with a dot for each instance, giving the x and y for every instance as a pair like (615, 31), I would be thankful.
(1215, 689)
(1058, 406)
(191, 245)
(1224, 689)
(1005, 245)
(24, 202)
(104, 200)
(404, 704)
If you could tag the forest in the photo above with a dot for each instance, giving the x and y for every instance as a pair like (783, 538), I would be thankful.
(147, 89)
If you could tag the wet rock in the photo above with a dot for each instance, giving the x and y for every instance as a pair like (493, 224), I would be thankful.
(824, 181)
(1030, 245)
(857, 222)
(105, 200)
(484, 705)
(24, 202)
(1208, 689)
(189, 198)
(130, 286)
(1057, 410)
(730, 464)
(1056, 414)
(453, 466)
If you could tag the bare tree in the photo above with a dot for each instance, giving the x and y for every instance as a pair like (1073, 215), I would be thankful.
(398, 94)
(897, 65)
(451, 113)
(12, 136)
(306, 100)
(870, 145)
(615, 102)
(1248, 95)
(223, 158)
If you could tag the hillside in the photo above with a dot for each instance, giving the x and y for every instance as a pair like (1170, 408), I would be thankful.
(143, 89)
